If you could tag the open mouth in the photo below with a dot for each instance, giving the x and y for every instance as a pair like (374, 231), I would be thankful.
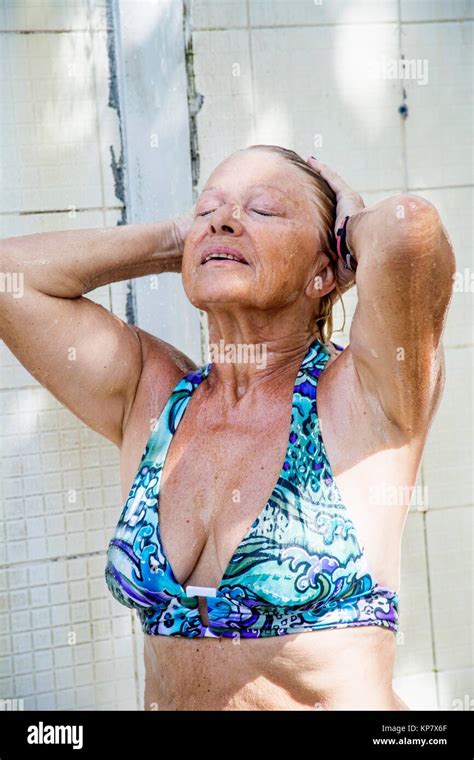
(225, 255)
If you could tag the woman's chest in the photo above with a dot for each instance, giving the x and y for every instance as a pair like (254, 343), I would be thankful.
(263, 474)
(214, 483)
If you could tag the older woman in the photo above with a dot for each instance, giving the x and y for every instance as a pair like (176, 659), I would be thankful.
(254, 515)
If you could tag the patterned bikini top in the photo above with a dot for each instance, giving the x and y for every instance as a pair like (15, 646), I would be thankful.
(299, 567)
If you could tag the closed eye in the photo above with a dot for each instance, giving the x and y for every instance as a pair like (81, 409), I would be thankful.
(262, 213)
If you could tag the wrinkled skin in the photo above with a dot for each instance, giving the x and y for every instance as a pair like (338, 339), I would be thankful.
(275, 297)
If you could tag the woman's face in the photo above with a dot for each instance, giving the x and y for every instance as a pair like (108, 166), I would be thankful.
(261, 208)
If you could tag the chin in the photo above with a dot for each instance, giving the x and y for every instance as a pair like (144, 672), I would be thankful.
(219, 291)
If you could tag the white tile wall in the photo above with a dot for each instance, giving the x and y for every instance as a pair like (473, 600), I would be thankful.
(297, 76)
(63, 640)
(12, 224)
(218, 14)
(418, 691)
(450, 548)
(448, 457)
(209, 14)
(414, 639)
(42, 15)
(227, 110)
(53, 151)
(439, 125)
(456, 689)
(60, 480)
(312, 12)
(435, 10)
(55, 477)
(53, 161)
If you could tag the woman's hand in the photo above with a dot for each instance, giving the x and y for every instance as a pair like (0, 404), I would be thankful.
(182, 226)
(349, 203)
(178, 228)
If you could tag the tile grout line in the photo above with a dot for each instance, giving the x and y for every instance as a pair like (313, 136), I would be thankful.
(252, 78)
(59, 558)
(430, 605)
(276, 27)
(105, 28)
(97, 120)
(79, 30)
(403, 128)
(21, 212)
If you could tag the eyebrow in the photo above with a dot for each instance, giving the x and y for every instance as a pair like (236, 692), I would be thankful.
(254, 187)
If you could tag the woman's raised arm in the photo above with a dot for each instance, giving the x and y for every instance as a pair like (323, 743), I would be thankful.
(89, 359)
(404, 280)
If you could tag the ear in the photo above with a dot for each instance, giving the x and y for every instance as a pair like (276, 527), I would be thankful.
(323, 281)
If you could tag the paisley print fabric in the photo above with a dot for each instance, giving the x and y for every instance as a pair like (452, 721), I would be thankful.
(299, 567)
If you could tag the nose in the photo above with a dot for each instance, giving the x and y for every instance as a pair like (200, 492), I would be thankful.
(223, 227)
(223, 221)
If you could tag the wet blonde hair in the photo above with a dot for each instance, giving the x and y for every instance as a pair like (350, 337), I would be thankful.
(325, 199)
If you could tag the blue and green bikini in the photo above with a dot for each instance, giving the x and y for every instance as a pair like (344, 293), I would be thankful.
(300, 566)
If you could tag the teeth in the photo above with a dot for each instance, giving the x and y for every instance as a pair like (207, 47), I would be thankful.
(221, 256)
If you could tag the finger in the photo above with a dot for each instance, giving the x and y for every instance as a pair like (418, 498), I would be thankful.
(332, 178)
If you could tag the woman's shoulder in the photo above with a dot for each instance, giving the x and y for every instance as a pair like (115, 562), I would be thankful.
(162, 357)
(163, 365)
